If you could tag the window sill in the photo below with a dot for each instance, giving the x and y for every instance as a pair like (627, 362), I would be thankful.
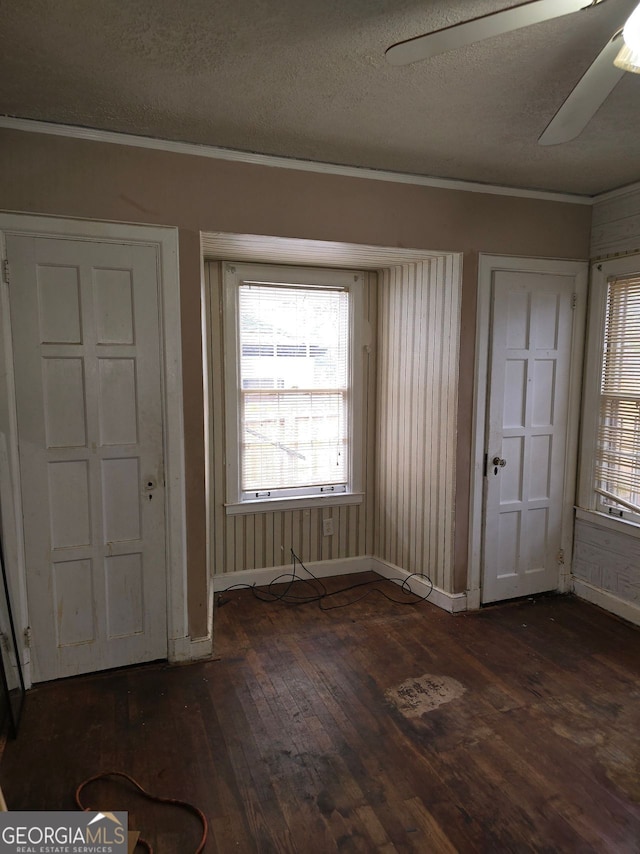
(304, 502)
(603, 520)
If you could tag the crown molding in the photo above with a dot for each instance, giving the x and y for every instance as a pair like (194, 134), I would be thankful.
(197, 150)
(617, 193)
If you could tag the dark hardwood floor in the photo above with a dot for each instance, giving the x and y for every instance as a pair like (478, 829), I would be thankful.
(372, 728)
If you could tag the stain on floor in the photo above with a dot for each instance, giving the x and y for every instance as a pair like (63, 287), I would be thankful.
(423, 694)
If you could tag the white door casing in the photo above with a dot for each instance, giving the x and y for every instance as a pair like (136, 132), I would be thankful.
(111, 382)
(529, 355)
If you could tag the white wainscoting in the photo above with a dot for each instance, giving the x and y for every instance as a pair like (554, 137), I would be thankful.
(606, 564)
(615, 226)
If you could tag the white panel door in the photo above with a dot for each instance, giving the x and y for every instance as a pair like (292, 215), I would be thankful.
(526, 445)
(85, 328)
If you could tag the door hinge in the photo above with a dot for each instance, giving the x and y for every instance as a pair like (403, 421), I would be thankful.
(561, 557)
(574, 300)
(27, 637)
(5, 270)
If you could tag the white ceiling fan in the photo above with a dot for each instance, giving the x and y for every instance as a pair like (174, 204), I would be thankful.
(623, 49)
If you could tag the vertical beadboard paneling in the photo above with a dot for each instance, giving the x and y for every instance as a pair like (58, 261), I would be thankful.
(352, 528)
(268, 539)
(430, 554)
(395, 310)
(382, 438)
(259, 552)
(216, 420)
(314, 534)
(249, 542)
(366, 516)
(420, 342)
(325, 542)
(306, 533)
(287, 535)
(408, 286)
(342, 530)
(607, 559)
(254, 541)
(438, 489)
(239, 547)
(229, 544)
(451, 285)
(278, 542)
(418, 336)
(615, 227)
(296, 531)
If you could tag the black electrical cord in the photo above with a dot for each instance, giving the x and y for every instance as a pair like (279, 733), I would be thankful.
(319, 593)
(171, 801)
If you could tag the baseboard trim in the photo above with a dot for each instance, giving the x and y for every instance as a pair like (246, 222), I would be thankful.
(474, 599)
(179, 649)
(190, 649)
(267, 575)
(201, 647)
(451, 602)
(620, 607)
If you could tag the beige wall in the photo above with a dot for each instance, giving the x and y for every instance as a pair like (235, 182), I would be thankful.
(60, 176)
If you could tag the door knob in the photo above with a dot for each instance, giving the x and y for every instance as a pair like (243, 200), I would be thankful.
(498, 461)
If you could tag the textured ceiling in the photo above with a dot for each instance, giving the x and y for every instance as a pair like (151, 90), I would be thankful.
(308, 79)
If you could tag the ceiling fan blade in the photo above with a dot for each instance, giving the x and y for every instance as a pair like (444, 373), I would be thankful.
(582, 104)
(460, 35)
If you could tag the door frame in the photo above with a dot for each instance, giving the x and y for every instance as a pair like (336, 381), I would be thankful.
(165, 242)
(487, 265)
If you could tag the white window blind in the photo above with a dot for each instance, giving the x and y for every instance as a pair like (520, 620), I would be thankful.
(293, 377)
(617, 459)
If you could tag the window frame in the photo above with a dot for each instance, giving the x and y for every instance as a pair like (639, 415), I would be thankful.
(588, 499)
(235, 274)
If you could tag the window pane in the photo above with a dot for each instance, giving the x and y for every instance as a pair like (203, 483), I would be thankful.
(294, 347)
(293, 440)
(618, 443)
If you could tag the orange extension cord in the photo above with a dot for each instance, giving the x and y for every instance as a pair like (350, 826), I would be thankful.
(172, 801)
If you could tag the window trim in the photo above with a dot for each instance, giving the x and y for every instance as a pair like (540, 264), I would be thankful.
(233, 274)
(601, 273)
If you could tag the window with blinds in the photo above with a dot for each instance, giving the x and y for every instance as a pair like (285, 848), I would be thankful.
(617, 456)
(289, 389)
(294, 369)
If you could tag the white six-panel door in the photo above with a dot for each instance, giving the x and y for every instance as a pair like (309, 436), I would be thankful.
(526, 435)
(85, 329)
